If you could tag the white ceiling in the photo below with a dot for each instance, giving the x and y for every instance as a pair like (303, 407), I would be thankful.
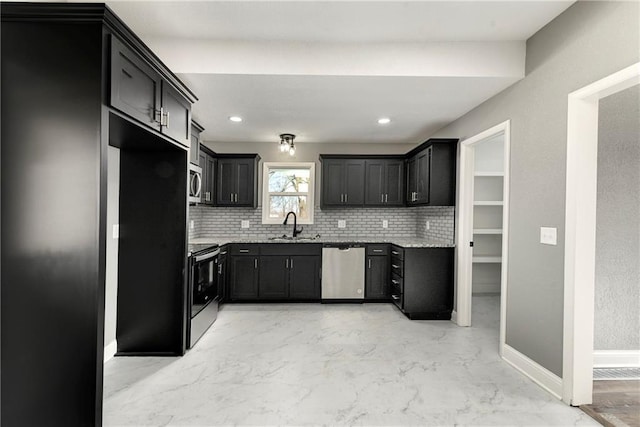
(327, 70)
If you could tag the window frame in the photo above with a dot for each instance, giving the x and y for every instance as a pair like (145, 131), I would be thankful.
(266, 167)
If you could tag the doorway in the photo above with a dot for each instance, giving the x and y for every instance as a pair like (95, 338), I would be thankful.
(580, 230)
(482, 222)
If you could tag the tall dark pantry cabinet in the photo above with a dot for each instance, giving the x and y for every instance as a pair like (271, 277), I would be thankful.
(75, 80)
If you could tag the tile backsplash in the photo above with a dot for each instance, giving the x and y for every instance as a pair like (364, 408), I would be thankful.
(403, 222)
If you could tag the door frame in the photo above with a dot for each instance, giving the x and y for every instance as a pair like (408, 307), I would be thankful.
(464, 226)
(580, 232)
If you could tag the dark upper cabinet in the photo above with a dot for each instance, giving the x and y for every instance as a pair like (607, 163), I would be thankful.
(194, 148)
(207, 162)
(384, 182)
(135, 86)
(236, 180)
(342, 182)
(431, 173)
(141, 93)
(304, 277)
(274, 277)
(243, 277)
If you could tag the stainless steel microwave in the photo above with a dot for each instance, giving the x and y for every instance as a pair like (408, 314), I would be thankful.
(195, 183)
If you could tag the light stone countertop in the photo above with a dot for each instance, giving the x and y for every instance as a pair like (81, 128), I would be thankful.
(402, 241)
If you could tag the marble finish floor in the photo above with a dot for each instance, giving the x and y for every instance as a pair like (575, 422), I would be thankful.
(313, 364)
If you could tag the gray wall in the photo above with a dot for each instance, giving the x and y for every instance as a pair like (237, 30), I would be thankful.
(587, 42)
(617, 291)
(111, 279)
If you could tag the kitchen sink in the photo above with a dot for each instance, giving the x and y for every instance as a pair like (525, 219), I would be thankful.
(293, 239)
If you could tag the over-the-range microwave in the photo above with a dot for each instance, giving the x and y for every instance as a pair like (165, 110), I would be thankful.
(195, 183)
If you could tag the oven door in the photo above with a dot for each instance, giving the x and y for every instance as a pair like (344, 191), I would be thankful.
(204, 282)
(195, 183)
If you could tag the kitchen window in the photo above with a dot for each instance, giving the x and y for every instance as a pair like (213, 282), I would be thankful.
(287, 187)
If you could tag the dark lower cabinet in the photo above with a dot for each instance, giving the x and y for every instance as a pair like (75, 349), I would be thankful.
(223, 273)
(377, 278)
(274, 277)
(304, 277)
(422, 286)
(269, 272)
(243, 277)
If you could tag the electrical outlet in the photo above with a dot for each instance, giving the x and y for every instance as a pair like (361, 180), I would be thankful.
(192, 225)
(427, 226)
(385, 223)
(244, 223)
(549, 235)
(342, 223)
(116, 231)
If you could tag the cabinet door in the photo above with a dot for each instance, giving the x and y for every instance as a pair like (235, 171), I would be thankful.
(274, 277)
(244, 277)
(394, 182)
(354, 181)
(194, 151)
(424, 175)
(374, 182)
(304, 278)
(245, 182)
(377, 277)
(177, 111)
(412, 181)
(226, 182)
(222, 277)
(332, 182)
(208, 179)
(135, 87)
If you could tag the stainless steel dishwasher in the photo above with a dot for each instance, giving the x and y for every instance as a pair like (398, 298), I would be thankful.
(343, 272)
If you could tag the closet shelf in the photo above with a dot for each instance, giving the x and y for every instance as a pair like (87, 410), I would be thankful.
(487, 259)
(487, 231)
(489, 174)
(488, 202)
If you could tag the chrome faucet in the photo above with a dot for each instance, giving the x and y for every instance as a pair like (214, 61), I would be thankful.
(295, 223)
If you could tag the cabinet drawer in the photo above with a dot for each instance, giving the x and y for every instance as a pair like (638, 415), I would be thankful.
(397, 251)
(397, 296)
(291, 249)
(240, 249)
(397, 266)
(378, 249)
(397, 281)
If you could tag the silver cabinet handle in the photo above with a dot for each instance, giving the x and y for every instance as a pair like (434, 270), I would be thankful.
(236, 197)
(231, 196)
(395, 253)
(255, 263)
(395, 297)
(346, 198)
(166, 121)
(286, 263)
(395, 282)
(377, 250)
(382, 198)
(219, 268)
(291, 263)
(342, 198)
(369, 263)
(244, 251)
(395, 266)
(386, 198)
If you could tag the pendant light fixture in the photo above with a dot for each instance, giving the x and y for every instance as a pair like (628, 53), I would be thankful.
(286, 143)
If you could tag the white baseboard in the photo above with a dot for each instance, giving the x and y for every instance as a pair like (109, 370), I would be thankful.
(616, 358)
(540, 375)
(110, 350)
(454, 317)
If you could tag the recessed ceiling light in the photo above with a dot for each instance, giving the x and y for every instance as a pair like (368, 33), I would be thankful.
(384, 121)
(235, 119)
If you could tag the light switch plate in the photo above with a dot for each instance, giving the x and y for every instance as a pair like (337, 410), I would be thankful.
(244, 223)
(548, 235)
(342, 223)
(385, 223)
(116, 231)
(427, 226)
